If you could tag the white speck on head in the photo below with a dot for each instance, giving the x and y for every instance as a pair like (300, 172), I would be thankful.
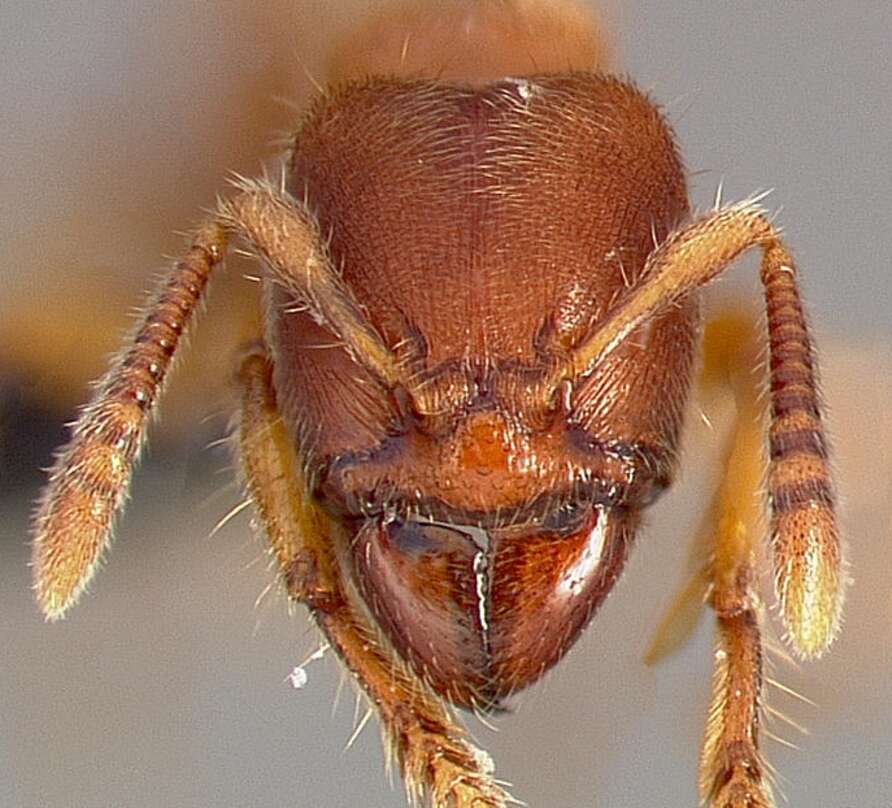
(524, 88)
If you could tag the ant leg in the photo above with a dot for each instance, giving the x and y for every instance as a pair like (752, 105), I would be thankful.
(733, 773)
(434, 754)
(89, 479)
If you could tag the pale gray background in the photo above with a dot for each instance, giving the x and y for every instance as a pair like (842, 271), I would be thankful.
(165, 687)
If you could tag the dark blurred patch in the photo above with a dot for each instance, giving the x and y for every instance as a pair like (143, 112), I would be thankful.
(30, 431)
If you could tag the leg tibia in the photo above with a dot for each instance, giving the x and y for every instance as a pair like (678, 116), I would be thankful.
(732, 772)
(274, 479)
(434, 754)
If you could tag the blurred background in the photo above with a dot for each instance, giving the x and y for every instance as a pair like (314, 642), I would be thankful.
(166, 686)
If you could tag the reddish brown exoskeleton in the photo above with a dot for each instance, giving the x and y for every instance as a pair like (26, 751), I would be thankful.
(481, 317)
